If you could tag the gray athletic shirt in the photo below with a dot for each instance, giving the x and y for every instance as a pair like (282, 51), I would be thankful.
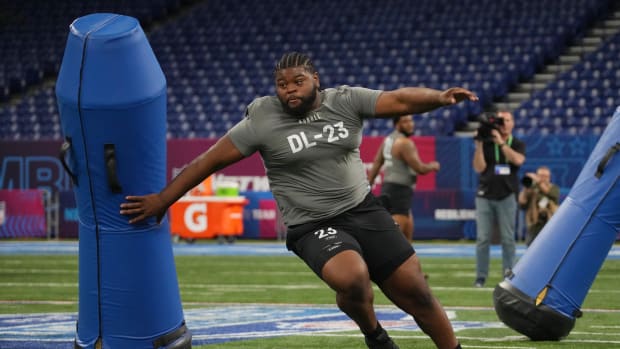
(396, 170)
(313, 164)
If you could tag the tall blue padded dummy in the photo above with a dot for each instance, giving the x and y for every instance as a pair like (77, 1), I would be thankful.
(111, 96)
(543, 296)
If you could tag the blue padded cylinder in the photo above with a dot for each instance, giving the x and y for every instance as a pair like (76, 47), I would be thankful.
(111, 95)
(542, 298)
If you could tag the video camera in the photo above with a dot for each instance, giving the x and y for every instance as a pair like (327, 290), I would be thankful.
(488, 122)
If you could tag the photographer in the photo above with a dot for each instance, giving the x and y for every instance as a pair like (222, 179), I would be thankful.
(497, 158)
(540, 198)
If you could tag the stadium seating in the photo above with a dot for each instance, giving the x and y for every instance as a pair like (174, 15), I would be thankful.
(219, 55)
(581, 100)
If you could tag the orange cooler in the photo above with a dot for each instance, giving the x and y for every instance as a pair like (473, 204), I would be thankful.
(205, 217)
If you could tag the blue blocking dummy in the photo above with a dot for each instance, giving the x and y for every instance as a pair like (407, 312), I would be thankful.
(543, 296)
(111, 96)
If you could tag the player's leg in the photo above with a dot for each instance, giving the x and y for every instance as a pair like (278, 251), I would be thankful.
(393, 265)
(411, 225)
(334, 255)
(407, 289)
(399, 197)
(484, 221)
(506, 220)
(346, 273)
(405, 225)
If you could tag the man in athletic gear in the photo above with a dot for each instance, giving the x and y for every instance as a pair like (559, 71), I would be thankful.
(309, 141)
(402, 166)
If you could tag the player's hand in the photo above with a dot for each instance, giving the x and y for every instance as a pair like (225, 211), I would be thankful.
(435, 166)
(455, 95)
(143, 207)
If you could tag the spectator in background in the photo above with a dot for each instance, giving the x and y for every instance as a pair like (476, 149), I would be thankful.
(540, 199)
(497, 158)
(309, 141)
(402, 166)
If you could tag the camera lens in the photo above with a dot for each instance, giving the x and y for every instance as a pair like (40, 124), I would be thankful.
(543, 216)
(526, 181)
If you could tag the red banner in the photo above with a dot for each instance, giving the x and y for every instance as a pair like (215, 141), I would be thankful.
(22, 214)
(267, 225)
(250, 173)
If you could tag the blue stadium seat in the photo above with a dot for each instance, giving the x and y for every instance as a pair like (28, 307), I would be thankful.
(219, 56)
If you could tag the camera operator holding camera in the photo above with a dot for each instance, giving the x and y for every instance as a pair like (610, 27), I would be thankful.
(540, 199)
(497, 158)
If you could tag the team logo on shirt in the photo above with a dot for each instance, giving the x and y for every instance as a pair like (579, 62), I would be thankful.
(314, 116)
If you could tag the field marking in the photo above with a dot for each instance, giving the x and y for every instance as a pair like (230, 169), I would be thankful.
(593, 341)
(305, 305)
(291, 319)
(597, 333)
(39, 284)
(261, 287)
(273, 286)
(37, 302)
(38, 271)
(425, 337)
(495, 346)
(565, 340)
(481, 339)
(459, 250)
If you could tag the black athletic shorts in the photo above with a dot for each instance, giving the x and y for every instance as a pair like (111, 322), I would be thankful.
(368, 229)
(399, 197)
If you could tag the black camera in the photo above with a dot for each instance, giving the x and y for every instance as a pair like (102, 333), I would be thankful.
(489, 121)
(543, 216)
(527, 181)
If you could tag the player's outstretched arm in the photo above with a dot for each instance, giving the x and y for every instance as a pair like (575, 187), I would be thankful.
(417, 100)
(220, 155)
(408, 152)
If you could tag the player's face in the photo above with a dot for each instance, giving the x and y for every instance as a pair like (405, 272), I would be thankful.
(406, 125)
(297, 90)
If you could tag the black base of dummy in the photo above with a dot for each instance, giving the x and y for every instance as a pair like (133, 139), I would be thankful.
(519, 312)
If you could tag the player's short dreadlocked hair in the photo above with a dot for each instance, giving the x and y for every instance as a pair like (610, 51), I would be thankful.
(396, 119)
(295, 59)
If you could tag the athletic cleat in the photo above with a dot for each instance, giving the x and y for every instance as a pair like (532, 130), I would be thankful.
(479, 282)
(387, 345)
(382, 342)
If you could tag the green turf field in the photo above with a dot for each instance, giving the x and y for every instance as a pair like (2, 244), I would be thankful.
(48, 284)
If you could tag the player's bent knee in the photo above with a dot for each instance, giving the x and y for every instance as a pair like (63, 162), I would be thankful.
(347, 273)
